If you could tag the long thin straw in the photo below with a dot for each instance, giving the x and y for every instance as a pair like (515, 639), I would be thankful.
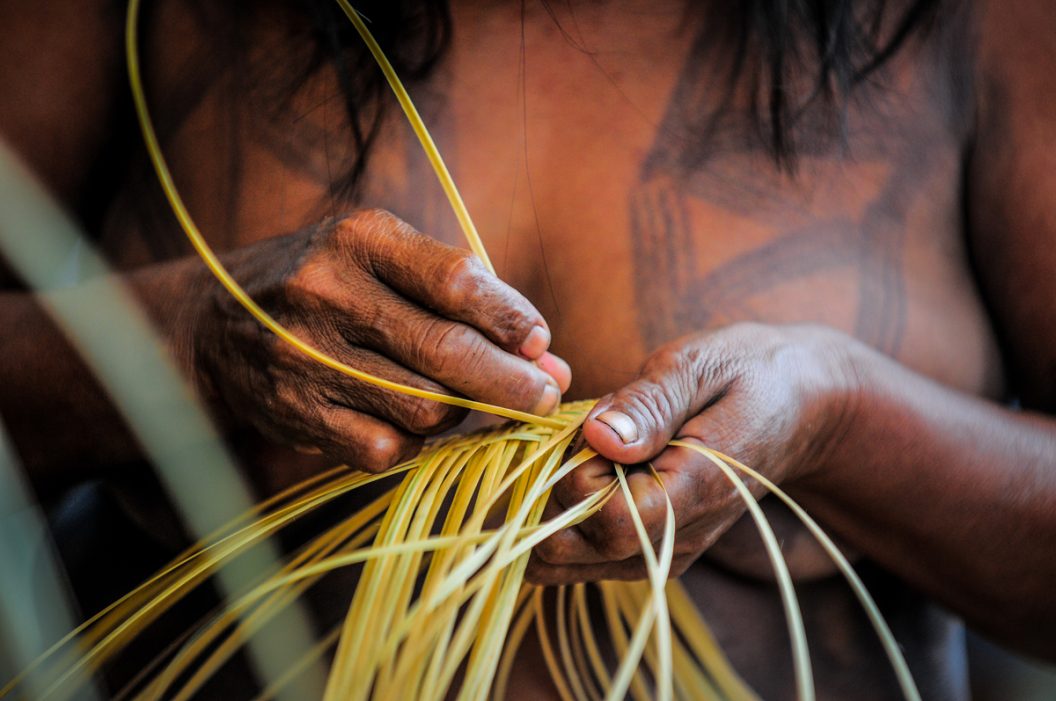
(883, 632)
(224, 277)
(426, 139)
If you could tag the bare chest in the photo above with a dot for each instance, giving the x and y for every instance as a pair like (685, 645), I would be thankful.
(628, 229)
(577, 144)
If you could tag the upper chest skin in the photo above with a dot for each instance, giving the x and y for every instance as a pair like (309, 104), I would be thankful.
(570, 150)
(574, 165)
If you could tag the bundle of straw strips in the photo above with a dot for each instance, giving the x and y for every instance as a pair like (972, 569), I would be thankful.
(440, 607)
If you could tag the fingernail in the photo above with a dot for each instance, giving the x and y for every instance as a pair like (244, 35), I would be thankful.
(551, 397)
(556, 368)
(621, 425)
(536, 343)
(308, 450)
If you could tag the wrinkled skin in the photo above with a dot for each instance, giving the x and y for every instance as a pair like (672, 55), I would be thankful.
(373, 293)
(769, 395)
(919, 253)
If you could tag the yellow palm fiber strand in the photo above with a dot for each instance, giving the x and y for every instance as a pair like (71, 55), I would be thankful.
(689, 679)
(476, 476)
(573, 672)
(620, 639)
(110, 633)
(540, 534)
(286, 512)
(579, 653)
(455, 580)
(469, 230)
(703, 646)
(500, 553)
(425, 617)
(631, 651)
(523, 621)
(385, 581)
(470, 480)
(521, 551)
(224, 277)
(526, 435)
(95, 627)
(800, 651)
(348, 535)
(485, 656)
(659, 571)
(335, 491)
(876, 619)
(656, 612)
(590, 644)
(560, 683)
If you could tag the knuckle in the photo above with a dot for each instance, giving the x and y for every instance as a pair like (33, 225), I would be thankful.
(522, 388)
(367, 231)
(348, 231)
(573, 489)
(514, 324)
(365, 220)
(651, 404)
(462, 276)
(310, 286)
(614, 538)
(619, 547)
(426, 416)
(541, 573)
(381, 451)
(666, 357)
(550, 552)
(553, 551)
(446, 349)
(290, 396)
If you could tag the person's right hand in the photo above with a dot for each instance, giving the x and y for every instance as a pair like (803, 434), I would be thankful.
(377, 295)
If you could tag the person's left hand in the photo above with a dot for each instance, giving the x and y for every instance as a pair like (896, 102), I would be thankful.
(773, 397)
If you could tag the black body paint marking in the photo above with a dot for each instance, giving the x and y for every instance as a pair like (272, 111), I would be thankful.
(728, 168)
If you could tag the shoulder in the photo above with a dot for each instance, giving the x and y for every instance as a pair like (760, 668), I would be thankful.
(1011, 186)
(60, 71)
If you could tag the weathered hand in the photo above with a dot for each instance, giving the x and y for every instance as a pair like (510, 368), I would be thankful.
(770, 396)
(377, 295)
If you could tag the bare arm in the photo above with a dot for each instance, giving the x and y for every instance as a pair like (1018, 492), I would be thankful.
(60, 74)
(963, 495)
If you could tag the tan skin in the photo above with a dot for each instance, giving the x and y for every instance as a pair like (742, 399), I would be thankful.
(827, 329)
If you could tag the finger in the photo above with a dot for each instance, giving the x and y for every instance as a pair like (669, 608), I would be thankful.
(712, 492)
(458, 356)
(542, 573)
(556, 368)
(416, 415)
(449, 280)
(363, 442)
(610, 534)
(634, 424)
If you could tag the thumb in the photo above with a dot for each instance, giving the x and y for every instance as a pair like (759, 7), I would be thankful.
(634, 424)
